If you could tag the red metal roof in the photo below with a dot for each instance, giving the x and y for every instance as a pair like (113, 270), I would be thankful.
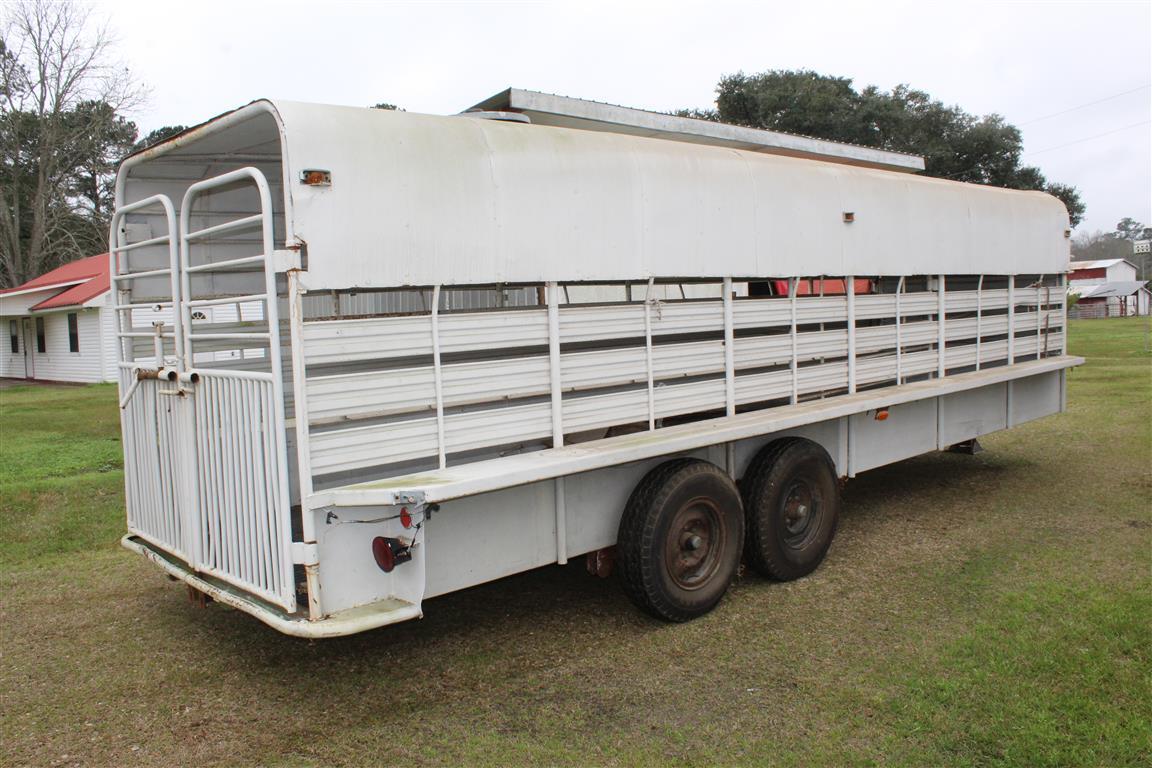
(82, 280)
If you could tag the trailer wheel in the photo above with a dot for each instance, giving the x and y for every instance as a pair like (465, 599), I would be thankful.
(792, 503)
(680, 539)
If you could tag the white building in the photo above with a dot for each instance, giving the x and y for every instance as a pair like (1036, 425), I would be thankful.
(59, 326)
(1107, 288)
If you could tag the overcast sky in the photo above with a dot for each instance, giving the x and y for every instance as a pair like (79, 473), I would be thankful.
(1074, 76)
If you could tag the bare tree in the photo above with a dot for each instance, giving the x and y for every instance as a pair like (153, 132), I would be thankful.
(61, 94)
(1096, 245)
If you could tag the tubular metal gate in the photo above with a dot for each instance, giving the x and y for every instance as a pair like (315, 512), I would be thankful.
(205, 456)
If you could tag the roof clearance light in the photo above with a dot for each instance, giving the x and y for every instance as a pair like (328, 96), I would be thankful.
(881, 414)
(405, 517)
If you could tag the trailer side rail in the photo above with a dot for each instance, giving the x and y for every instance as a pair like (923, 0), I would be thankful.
(495, 474)
(433, 389)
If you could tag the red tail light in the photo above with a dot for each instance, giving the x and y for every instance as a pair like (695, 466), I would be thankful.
(384, 554)
(390, 552)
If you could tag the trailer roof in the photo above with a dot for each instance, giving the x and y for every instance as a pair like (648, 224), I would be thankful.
(567, 112)
(450, 200)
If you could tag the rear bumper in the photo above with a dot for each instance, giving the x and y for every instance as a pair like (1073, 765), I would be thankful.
(336, 625)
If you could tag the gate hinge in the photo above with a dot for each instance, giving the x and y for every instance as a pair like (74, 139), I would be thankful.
(283, 261)
(305, 553)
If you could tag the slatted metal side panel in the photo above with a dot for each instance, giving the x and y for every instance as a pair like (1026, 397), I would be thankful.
(387, 390)
(243, 535)
(152, 467)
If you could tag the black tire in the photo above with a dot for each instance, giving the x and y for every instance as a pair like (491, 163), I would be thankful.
(792, 505)
(680, 539)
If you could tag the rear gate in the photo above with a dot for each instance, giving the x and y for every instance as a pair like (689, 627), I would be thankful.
(204, 445)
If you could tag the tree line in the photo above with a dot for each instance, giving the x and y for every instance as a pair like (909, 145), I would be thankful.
(63, 131)
(955, 145)
(1117, 244)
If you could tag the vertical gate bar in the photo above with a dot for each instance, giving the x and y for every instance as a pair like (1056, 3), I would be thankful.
(979, 318)
(793, 290)
(850, 292)
(228, 484)
(557, 403)
(211, 509)
(264, 502)
(244, 521)
(203, 491)
(1011, 319)
(261, 553)
(252, 508)
(150, 456)
(1064, 317)
(233, 487)
(275, 353)
(300, 403)
(276, 586)
(224, 482)
(271, 470)
(555, 383)
(170, 449)
(729, 369)
(165, 511)
(941, 342)
(231, 483)
(1039, 287)
(561, 515)
(190, 471)
(729, 349)
(900, 286)
(437, 378)
(1008, 405)
(648, 353)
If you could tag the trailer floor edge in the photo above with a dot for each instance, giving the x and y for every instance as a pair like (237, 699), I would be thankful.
(351, 621)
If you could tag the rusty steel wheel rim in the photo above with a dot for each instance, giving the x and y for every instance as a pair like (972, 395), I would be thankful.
(694, 544)
(801, 510)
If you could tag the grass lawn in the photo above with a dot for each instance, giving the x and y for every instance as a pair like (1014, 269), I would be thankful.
(987, 610)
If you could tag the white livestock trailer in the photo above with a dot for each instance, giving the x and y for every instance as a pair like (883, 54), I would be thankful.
(459, 348)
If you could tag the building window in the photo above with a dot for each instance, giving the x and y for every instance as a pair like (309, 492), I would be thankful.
(41, 342)
(73, 332)
(14, 336)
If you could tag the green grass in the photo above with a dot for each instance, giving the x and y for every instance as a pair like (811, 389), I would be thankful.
(973, 611)
(61, 471)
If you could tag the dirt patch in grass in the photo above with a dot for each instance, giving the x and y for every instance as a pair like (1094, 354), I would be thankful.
(987, 610)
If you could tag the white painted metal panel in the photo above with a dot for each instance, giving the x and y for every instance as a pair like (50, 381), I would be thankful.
(378, 338)
(909, 430)
(966, 415)
(484, 476)
(476, 202)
